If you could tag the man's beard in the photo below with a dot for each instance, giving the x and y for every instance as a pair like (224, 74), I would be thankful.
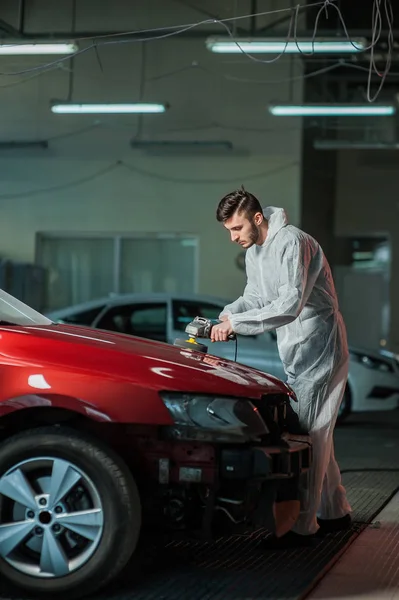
(254, 235)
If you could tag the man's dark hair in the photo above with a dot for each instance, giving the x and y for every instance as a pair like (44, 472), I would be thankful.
(237, 201)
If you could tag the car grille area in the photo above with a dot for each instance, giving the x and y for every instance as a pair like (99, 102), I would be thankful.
(279, 415)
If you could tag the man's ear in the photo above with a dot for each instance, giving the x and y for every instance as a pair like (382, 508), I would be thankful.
(258, 218)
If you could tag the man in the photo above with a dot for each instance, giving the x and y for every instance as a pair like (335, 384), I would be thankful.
(290, 289)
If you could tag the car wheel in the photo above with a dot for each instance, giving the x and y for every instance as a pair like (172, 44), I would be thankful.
(345, 408)
(70, 512)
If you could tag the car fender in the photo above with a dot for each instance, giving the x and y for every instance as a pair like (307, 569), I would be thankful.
(102, 399)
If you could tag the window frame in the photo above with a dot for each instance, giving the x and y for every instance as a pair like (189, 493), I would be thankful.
(184, 301)
(117, 239)
(140, 303)
(100, 309)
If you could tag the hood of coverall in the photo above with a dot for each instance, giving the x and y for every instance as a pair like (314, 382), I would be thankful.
(276, 218)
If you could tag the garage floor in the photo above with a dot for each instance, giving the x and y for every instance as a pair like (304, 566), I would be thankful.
(236, 568)
(370, 568)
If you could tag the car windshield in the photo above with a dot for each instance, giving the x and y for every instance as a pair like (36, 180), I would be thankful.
(15, 312)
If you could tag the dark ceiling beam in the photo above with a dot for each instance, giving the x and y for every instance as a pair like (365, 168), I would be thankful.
(202, 11)
(193, 33)
(67, 35)
(8, 30)
(254, 10)
(273, 24)
(359, 78)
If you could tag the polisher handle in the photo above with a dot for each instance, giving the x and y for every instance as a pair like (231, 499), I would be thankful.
(232, 336)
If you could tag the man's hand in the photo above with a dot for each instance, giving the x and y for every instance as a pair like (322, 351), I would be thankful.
(221, 332)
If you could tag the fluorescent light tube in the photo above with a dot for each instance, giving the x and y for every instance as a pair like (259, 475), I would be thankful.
(182, 144)
(24, 49)
(276, 46)
(186, 147)
(332, 110)
(331, 144)
(363, 255)
(69, 108)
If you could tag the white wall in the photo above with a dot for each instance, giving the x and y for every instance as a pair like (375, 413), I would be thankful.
(367, 203)
(160, 193)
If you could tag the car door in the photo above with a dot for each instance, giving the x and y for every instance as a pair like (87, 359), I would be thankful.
(259, 352)
(143, 319)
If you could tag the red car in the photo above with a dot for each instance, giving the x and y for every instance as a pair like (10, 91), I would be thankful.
(105, 436)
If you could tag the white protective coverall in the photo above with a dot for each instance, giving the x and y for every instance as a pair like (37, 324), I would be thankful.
(290, 289)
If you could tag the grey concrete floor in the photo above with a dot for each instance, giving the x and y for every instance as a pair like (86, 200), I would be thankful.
(368, 440)
(369, 568)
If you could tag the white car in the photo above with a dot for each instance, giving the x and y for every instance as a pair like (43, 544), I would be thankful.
(373, 382)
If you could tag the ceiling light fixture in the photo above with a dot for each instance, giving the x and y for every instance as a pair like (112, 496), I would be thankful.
(223, 45)
(327, 144)
(332, 110)
(14, 48)
(136, 107)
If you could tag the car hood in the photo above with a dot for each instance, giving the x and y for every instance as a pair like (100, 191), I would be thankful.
(155, 365)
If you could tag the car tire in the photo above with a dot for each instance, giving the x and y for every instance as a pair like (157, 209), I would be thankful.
(55, 457)
(345, 408)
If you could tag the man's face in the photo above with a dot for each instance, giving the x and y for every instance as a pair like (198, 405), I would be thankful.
(244, 231)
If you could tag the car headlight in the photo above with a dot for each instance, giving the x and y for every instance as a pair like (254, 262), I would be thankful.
(373, 363)
(218, 415)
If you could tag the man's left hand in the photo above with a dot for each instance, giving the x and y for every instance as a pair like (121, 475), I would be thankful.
(221, 332)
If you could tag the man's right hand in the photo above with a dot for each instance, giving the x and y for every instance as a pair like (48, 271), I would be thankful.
(221, 332)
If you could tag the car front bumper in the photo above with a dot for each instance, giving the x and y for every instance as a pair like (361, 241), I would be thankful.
(240, 483)
(290, 459)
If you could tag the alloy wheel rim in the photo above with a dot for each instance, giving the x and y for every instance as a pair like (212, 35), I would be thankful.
(51, 517)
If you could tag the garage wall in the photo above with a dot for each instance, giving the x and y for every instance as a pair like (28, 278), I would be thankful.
(367, 203)
(91, 180)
